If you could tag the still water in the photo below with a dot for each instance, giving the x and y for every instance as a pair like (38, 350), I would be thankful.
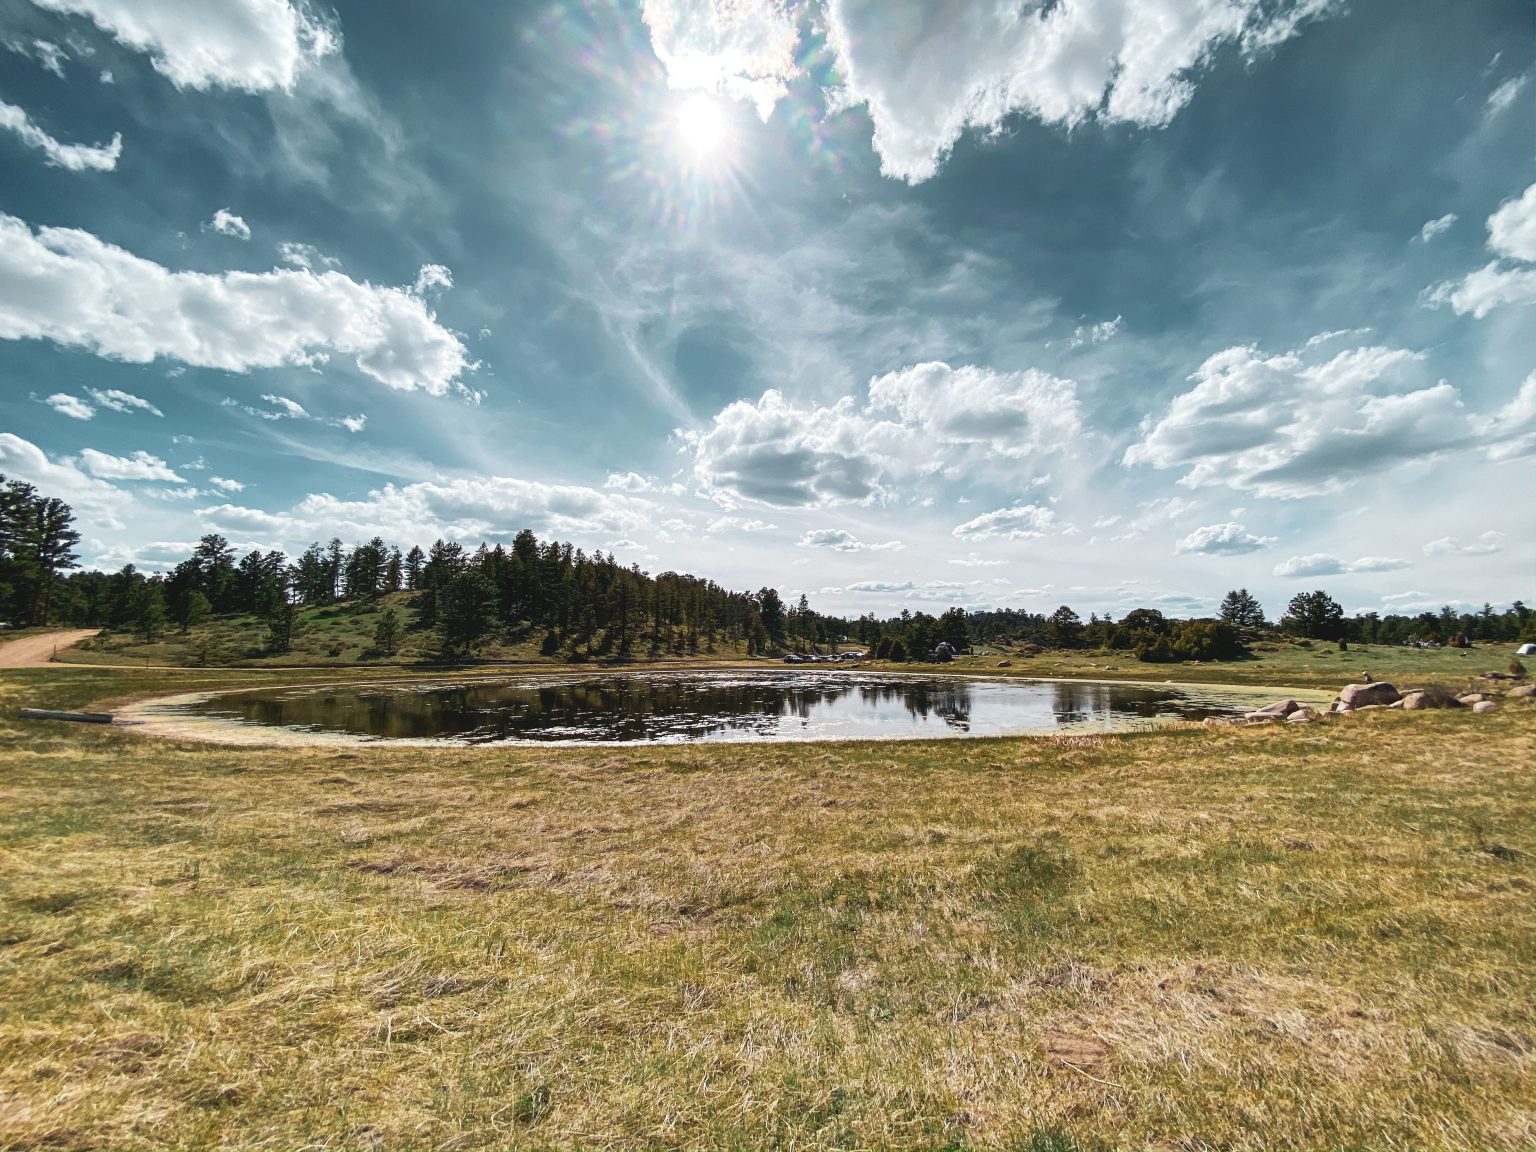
(718, 706)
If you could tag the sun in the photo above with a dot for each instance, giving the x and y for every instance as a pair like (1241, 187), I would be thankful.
(701, 126)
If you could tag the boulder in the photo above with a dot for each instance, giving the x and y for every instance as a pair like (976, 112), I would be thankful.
(1279, 708)
(1525, 690)
(1485, 706)
(1471, 697)
(1418, 700)
(1005, 663)
(1302, 716)
(1357, 695)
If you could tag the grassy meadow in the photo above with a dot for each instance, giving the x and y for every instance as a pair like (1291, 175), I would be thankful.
(1234, 938)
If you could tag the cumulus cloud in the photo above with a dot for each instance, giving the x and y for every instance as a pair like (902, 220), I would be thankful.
(1485, 545)
(1433, 228)
(1509, 279)
(285, 407)
(743, 49)
(139, 466)
(467, 510)
(254, 45)
(432, 278)
(1321, 564)
(67, 405)
(928, 71)
(68, 286)
(1222, 540)
(840, 541)
(1007, 413)
(914, 421)
(1020, 522)
(1512, 429)
(75, 157)
(225, 485)
(1512, 227)
(1282, 426)
(105, 504)
(226, 223)
(120, 401)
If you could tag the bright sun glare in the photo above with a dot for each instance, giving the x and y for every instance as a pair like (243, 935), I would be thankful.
(701, 125)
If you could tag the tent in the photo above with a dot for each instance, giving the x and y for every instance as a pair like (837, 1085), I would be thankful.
(1526, 650)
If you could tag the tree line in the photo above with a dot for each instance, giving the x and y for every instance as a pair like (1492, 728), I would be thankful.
(590, 605)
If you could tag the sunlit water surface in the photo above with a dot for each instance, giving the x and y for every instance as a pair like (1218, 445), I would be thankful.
(719, 706)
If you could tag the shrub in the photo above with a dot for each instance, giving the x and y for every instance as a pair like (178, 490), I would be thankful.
(1516, 669)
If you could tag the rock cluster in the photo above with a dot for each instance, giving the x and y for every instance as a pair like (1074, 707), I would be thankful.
(1372, 696)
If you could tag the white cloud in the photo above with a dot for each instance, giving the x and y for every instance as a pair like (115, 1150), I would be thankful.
(930, 69)
(65, 285)
(1280, 426)
(254, 45)
(1504, 95)
(949, 65)
(1098, 333)
(1512, 237)
(743, 49)
(1020, 522)
(1007, 413)
(736, 524)
(50, 56)
(1433, 228)
(286, 407)
(307, 257)
(1512, 429)
(467, 510)
(75, 157)
(224, 485)
(226, 223)
(353, 423)
(840, 541)
(68, 405)
(974, 561)
(628, 482)
(1485, 545)
(1512, 227)
(106, 505)
(1321, 564)
(916, 421)
(139, 466)
(120, 401)
(1222, 540)
(432, 278)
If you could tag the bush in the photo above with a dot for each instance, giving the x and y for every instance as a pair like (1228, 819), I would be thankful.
(1516, 669)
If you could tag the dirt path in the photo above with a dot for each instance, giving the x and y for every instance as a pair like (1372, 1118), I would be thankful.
(35, 651)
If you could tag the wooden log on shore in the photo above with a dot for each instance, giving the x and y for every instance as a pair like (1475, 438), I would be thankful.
(79, 717)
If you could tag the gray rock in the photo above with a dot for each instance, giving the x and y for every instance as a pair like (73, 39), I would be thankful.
(1302, 716)
(1472, 698)
(1279, 708)
(1356, 695)
(1522, 692)
(1485, 706)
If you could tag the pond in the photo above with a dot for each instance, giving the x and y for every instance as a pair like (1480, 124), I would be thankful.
(716, 706)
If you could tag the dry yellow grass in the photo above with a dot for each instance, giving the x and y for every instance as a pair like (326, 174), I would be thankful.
(1233, 938)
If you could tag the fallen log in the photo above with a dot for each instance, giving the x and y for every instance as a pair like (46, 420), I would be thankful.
(80, 717)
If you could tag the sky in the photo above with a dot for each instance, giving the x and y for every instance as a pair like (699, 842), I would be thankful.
(901, 306)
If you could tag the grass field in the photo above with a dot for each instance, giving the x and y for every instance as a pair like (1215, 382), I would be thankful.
(1186, 939)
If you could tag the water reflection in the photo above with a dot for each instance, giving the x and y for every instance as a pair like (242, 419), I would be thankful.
(717, 706)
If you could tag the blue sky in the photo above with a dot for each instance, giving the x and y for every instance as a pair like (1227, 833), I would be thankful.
(899, 305)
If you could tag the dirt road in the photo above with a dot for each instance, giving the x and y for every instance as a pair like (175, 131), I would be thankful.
(34, 651)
